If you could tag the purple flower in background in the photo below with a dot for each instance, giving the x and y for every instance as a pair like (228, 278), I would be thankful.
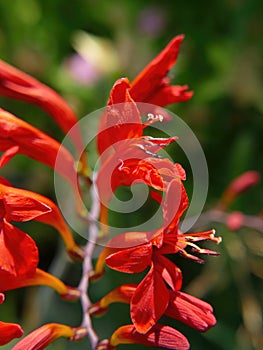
(81, 70)
(152, 21)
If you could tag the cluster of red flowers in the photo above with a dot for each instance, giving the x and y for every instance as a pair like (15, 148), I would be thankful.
(128, 155)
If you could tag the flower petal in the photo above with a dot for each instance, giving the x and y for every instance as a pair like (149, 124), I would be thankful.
(190, 310)
(38, 278)
(2, 298)
(21, 205)
(149, 301)
(21, 86)
(152, 86)
(18, 252)
(22, 208)
(175, 204)
(121, 119)
(121, 294)
(159, 336)
(8, 154)
(9, 331)
(34, 144)
(169, 271)
(43, 336)
(131, 260)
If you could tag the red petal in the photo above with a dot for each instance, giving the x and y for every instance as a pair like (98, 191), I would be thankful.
(159, 336)
(18, 252)
(190, 310)
(175, 204)
(121, 119)
(149, 301)
(35, 144)
(22, 208)
(121, 294)
(8, 154)
(41, 337)
(22, 205)
(18, 85)
(2, 298)
(169, 271)
(131, 260)
(167, 95)
(9, 331)
(152, 86)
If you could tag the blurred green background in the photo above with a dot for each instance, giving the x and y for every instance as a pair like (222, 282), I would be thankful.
(80, 48)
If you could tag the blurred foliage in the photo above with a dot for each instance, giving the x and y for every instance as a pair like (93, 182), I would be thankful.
(221, 60)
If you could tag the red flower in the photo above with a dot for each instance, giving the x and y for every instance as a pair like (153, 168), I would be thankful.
(8, 331)
(19, 85)
(18, 264)
(18, 253)
(159, 336)
(43, 336)
(183, 307)
(121, 131)
(135, 251)
(20, 205)
(17, 136)
(153, 86)
(239, 185)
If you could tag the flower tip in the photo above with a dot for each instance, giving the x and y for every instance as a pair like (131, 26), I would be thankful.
(79, 333)
(97, 310)
(95, 276)
(179, 38)
(72, 294)
(105, 345)
(2, 298)
(76, 253)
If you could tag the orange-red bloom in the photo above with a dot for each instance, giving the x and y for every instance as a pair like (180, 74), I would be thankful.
(153, 86)
(18, 263)
(43, 336)
(133, 252)
(8, 331)
(239, 185)
(159, 336)
(17, 136)
(18, 253)
(183, 307)
(21, 86)
(135, 155)
(20, 205)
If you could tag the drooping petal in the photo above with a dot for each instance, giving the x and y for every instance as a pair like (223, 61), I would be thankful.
(21, 86)
(43, 336)
(149, 301)
(131, 260)
(152, 85)
(159, 336)
(34, 144)
(18, 253)
(192, 311)
(9, 331)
